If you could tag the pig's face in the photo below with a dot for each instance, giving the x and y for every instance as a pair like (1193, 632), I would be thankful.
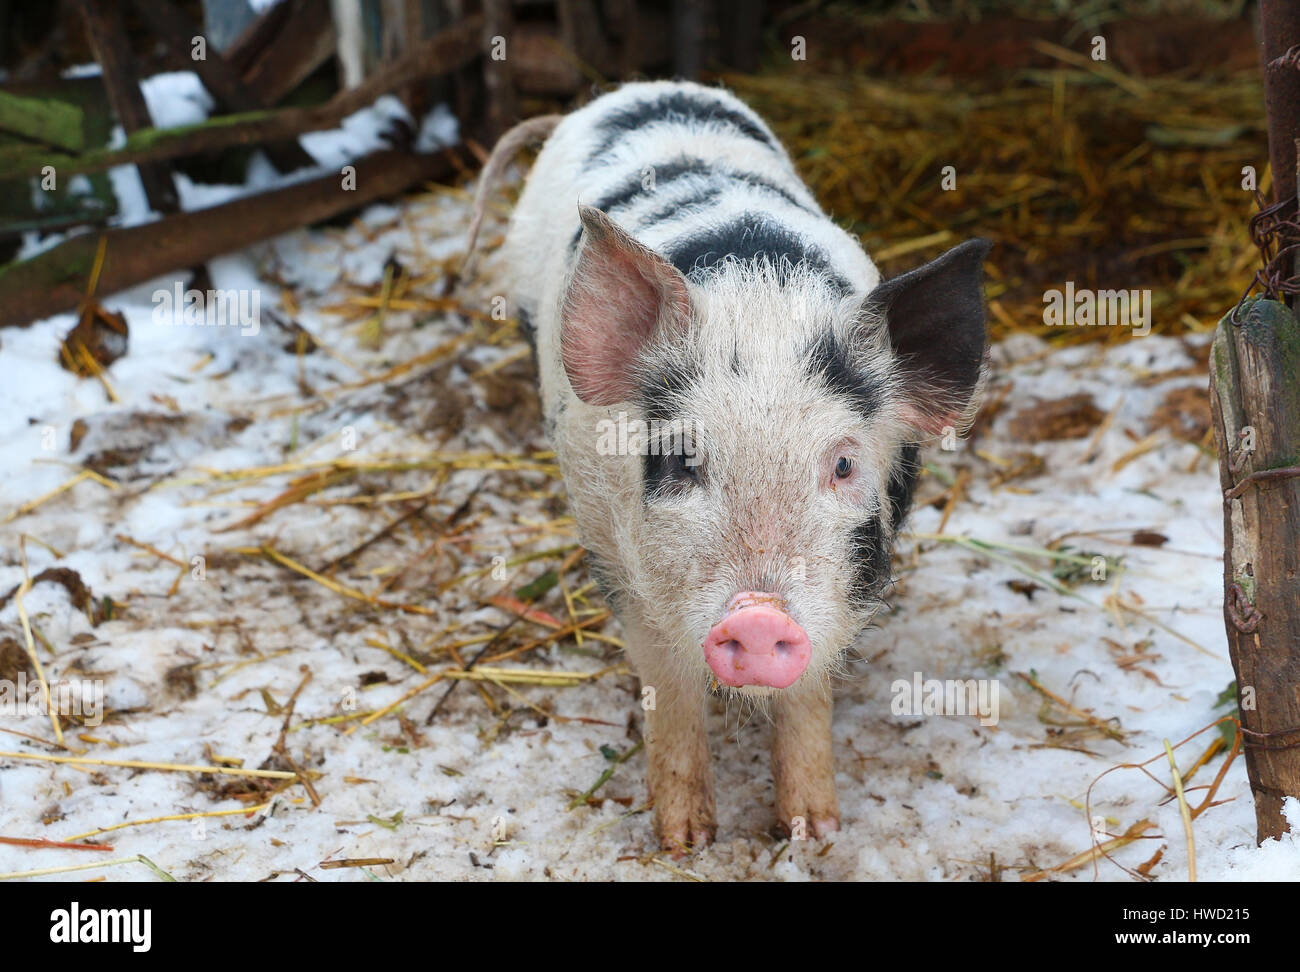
(778, 495)
(780, 415)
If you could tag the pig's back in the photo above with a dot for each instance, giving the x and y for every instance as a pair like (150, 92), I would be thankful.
(690, 171)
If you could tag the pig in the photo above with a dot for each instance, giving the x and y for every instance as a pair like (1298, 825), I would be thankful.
(678, 278)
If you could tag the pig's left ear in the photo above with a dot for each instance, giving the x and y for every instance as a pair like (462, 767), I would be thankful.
(935, 318)
(621, 295)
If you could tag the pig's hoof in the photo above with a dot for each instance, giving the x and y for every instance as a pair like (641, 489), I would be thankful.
(825, 826)
(686, 834)
(682, 843)
(811, 826)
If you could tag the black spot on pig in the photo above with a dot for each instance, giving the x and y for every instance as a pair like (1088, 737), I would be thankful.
(685, 106)
(749, 238)
(902, 483)
(667, 474)
(665, 387)
(829, 361)
(667, 469)
(869, 555)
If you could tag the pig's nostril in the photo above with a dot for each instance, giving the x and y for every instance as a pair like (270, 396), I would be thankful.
(757, 643)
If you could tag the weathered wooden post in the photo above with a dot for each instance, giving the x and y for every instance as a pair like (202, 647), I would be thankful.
(1255, 400)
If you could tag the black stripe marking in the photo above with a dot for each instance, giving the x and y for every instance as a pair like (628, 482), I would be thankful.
(703, 197)
(669, 172)
(691, 107)
(750, 238)
(661, 175)
(709, 194)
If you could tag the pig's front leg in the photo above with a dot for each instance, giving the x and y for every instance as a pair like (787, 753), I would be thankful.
(802, 766)
(680, 767)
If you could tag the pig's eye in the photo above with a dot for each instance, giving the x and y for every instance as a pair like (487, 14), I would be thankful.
(671, 475)
(843, 468)
(684, 468)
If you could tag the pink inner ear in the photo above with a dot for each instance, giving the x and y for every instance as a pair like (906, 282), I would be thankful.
(618, 294)
(931, 422)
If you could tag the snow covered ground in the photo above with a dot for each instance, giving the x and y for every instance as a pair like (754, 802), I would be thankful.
(442, 467)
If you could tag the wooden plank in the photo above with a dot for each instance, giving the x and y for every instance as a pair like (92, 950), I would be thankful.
(447, 50)
(55, 207)
(113, 52)
(223, 82)
(55, 281)
(306, 42)
(45, 120)
(248, 46)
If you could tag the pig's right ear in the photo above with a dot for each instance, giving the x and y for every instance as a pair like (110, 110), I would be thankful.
(621, 293)
(935, 318)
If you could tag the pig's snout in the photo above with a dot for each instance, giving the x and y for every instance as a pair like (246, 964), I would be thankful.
(757, 643)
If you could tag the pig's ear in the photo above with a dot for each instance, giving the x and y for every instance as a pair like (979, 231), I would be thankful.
(620, 295)
(935, 318)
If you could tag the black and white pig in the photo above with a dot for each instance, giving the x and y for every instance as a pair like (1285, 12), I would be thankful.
(681, 280)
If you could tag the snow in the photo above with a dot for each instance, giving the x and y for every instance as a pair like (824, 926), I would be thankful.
(1274, 860)
(469, 797)
(176, 98)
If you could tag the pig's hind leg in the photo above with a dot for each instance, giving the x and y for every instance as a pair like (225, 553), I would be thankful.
(802, 765)
(680, 766)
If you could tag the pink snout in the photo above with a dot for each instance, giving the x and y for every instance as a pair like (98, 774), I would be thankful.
(757, 643)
